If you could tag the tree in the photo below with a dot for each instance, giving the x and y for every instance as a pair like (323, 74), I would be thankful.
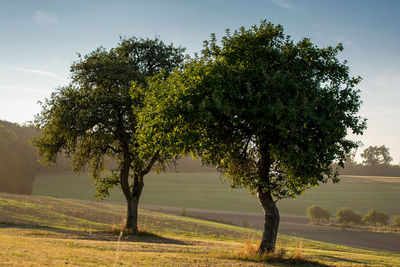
(396, 221)
(18, 159)
(374, 217)
(95, 117)
(318, 213)
(350, 159)
(374, 156)
(271, 114)
(346, 216)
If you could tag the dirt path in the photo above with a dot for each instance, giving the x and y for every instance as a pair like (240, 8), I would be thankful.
(296, 226)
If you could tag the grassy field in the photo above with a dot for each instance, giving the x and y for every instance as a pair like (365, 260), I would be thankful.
(46, 231)
(206, 191)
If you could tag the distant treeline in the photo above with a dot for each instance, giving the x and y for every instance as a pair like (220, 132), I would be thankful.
(18, 159)
(378, 170)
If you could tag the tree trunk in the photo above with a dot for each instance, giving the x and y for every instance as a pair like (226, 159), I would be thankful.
(271, 213)
(271, 222)
(132, 215)
(132, 210)
(132, 197)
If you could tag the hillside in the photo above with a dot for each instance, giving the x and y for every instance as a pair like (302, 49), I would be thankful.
(206, 191)
(40, 231)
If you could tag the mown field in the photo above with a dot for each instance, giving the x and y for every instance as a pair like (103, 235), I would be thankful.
(47, 231)
(204, 190)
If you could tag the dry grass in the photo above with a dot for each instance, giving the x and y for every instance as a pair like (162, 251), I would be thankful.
(89, 235)
(249, 252)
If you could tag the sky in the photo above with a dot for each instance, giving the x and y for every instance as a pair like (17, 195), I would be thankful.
(39, 40)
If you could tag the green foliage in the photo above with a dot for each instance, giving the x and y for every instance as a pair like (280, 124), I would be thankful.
(396, 220)
(374, 217)
(347, 216)
(318, 213)
(374, 156)
(18, 159)
(268, 112)
(95, 117)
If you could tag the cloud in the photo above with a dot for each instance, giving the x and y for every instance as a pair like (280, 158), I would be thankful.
(38, 72)
(282, 3)
(341, 39)
(25, 89)
(45, 17)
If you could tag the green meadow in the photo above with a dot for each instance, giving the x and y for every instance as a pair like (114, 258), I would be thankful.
(205, 190)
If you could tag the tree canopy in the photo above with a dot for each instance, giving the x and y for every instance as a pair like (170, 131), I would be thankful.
(95, 117)
(347, 216)
(318, 213)
(396, 221)
(270, 113)
(374, 156)
(374, 217)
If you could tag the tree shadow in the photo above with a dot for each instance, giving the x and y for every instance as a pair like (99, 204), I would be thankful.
(343, 259)
(95, 235)
(290, 262)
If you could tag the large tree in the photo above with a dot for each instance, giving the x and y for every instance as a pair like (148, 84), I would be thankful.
(270, 113)
(95, 117)
(374, 156)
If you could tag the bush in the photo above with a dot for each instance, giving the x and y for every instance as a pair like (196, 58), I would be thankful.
(347, 217)
(374, 217)
(396, 221)
(318, 213)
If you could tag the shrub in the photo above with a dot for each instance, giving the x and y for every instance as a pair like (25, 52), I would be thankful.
(396, 221)
(346, 216)
(374, 217)
(318, 213)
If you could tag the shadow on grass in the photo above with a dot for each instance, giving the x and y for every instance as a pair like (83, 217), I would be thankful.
(95, 235)
(280, 257)
(282, 261)
(342, 259)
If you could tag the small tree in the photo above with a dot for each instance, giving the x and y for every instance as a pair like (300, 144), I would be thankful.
(374, 156)
(374, 217)
(271, 114)
(346, 217)
(396, 221)
(95, 117)
(318, 213)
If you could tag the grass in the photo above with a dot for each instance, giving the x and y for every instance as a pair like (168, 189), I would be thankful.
(85, 233)
(206, 191)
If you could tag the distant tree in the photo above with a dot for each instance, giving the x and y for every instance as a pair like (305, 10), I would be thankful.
(318, 213)
(396, 221)
(95, 117)
(271, 114)
(350, 158)
(383, 218)
(374, 217)
(18, 159)
(347, 217)
(374, 156)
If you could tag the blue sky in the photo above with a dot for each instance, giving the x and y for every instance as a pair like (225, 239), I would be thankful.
(39, 41)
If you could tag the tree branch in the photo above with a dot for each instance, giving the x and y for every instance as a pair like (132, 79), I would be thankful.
(150, 165)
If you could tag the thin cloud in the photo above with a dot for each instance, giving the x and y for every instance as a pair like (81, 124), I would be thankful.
(341, 39)
(45, 17)
(283, 4)
(38, 72)
(25, 89)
